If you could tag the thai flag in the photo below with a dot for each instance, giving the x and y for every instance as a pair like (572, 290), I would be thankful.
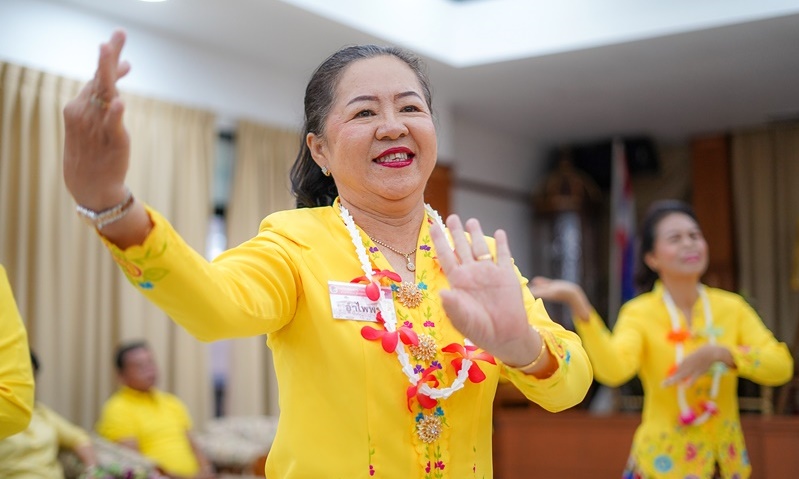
(622, 241)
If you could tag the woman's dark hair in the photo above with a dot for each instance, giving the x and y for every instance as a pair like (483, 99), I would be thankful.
(645, 278)
(309, 185)
(34, 362)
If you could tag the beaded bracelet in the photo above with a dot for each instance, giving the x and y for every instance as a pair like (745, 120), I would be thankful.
(527, 368)
(99, 219)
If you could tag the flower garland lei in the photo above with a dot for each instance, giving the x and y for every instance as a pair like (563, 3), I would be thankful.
(427, 394)
(709, 408)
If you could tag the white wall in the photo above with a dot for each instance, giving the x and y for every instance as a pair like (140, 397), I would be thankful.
(65, 41)
(477, 150)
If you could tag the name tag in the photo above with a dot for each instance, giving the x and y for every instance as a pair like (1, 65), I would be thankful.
(349, 302)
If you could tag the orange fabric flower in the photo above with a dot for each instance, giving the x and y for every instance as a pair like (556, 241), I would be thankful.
(679, 336)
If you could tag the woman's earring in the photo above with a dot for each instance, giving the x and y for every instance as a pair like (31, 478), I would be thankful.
(325, 171)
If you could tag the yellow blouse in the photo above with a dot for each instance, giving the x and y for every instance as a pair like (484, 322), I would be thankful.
(639, 345)
(345, 409)
(34, 451)
(16, 376)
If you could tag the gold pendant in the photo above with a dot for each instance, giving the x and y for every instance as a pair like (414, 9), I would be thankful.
(409, 294)
(409, 264)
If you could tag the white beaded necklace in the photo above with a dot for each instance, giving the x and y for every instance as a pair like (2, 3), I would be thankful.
(391, 322)
(687, 415)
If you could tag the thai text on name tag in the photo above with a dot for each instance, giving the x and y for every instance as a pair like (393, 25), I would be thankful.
(349, 301)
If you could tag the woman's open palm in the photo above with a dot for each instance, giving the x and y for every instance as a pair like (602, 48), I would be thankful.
(484, 301)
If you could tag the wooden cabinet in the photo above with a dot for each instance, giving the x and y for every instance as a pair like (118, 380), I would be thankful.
(437, 192)
(711, 177)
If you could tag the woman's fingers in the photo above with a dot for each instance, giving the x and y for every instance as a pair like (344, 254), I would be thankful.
(479, 247)
(444, 253)
(462, 248)
(471, 248)
(109, 69)
(504, 257)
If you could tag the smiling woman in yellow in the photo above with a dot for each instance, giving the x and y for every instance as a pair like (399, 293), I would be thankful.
(688, 343)
(388, 340)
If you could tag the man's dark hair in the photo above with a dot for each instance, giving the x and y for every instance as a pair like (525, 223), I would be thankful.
(124, 348)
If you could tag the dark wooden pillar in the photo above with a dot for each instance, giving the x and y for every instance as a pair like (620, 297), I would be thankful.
(711, 172)
(437, 192)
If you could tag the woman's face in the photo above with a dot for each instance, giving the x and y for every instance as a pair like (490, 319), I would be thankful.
(680, 250)
(379, 141)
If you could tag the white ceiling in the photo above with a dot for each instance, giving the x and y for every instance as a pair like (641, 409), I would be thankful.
(723, 73)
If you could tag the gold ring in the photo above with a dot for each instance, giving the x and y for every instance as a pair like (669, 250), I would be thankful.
(484, 257)
(99, 102)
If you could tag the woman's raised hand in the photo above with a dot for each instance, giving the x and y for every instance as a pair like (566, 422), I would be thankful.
(485, 301)
(96, 145)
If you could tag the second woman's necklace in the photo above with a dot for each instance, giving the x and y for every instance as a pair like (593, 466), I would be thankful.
(708, 408)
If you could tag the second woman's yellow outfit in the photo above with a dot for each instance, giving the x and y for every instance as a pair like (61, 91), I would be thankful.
(346, 410)
(642, 344)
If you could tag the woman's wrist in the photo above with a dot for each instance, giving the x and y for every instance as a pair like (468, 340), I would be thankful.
(131, 230)
(533, 365)
(102, 200)
(580, 306)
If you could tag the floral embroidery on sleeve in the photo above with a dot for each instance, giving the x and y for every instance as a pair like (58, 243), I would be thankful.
(136, 269)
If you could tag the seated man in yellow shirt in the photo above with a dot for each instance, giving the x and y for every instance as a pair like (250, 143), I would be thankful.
(148, 420)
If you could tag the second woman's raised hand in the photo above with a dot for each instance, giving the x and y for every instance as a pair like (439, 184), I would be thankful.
(698, 363)
(96, 144)
(562, 291)
(484, 301)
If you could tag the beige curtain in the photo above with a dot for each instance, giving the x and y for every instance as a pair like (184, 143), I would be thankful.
(261, 186)
(765, 178)
(76, 304)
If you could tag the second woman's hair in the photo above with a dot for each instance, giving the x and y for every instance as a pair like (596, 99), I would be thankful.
(310, 186)
(645, 278)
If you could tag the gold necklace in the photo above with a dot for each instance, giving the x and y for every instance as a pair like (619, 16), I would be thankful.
(409, 262)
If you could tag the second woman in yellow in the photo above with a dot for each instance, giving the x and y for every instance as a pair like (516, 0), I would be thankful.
(688, 343)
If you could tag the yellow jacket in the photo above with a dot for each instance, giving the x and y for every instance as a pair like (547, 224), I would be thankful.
(639, 345)
(344, 409)
(16, 377)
